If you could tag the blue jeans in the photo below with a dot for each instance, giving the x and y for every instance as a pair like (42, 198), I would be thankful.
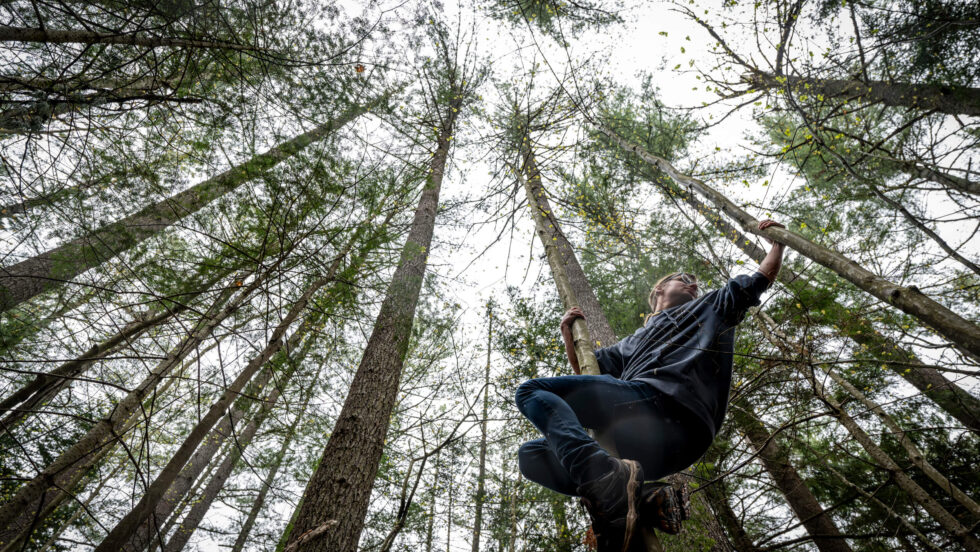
(642, 423)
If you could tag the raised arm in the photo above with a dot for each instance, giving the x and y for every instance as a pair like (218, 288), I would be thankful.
(774, 260)
(566, 334)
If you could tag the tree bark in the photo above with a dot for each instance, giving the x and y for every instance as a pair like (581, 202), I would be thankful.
(57, 36)
(818, 524)
(561, 255)
(40, 496)
(949, 99)
(28, 278)
(203, 503)
(270, 478)
(909, 299)
(124, 536)
(566, 269)
(335, 502)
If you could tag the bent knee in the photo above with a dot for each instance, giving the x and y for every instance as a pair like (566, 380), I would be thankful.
(524, 392)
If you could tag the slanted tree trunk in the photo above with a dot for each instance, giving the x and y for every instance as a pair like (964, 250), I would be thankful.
(818, 523)
(50, 269)
(203, 503)
(124, 536)
(952, 100)
(270, 478)
(909, 299)
(335, 502)
(53, 36)
(564, 269)
(45, 387)
(946, 520)
(562, 255)
(917, 457)
(40, 496)
(718, 497)
(150, 533)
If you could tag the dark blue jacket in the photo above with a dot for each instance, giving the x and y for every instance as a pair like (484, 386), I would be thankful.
(686, 351)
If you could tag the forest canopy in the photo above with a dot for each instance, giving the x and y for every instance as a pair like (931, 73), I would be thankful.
(272, 272)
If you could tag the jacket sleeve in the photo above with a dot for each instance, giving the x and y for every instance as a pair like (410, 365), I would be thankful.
(740, 293)
(611, 360)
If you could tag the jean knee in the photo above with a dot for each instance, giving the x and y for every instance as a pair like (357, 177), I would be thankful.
(523, 393)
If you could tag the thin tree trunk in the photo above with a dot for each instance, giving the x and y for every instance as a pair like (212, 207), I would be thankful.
(718, 497)
(336, 498)
(946, 520)
(270, 478)
(951, 398)
(818, 524)
(952, 100)
(28, 278)
(560, 252)
(917, 457)
(203, 503)
(53, 36)
(151, 532)
(482, 469)
(909, 299)
(513, 515)
(122, 535)
(83, 507)
(40, 496)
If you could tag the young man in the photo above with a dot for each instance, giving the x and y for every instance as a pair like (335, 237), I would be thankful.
(660, 400)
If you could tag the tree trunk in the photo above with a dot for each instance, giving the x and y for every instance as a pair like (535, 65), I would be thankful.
(952, 100)
(946, 520)
(336, 498)
(818, 524)
(52, 36)
(53, 268)
(150, 533)
(718, 497)
(37, 498)
(202, 504)
(565, 270)
(917, 457)
(270, 478)
(123, 535)
(482, 468)
(909, 299)
(574, 287)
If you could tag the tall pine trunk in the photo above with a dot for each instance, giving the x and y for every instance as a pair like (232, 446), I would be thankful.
(40, 496)
(482, 466)
(335, 502)
(124, 536)
(952, 100)
(28, 278)
(270, 478)
(818, 523)
(216, 482)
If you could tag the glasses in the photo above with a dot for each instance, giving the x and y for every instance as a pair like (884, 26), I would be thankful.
(685, 277)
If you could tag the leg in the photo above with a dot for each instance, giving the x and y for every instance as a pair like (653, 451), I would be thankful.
(560, 407)
(539, 463)
(663, 437)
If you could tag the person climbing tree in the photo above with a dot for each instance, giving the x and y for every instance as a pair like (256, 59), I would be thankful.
(662, 397)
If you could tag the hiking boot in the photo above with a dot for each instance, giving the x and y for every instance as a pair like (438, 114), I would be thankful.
(613, 505)
(664, 507)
